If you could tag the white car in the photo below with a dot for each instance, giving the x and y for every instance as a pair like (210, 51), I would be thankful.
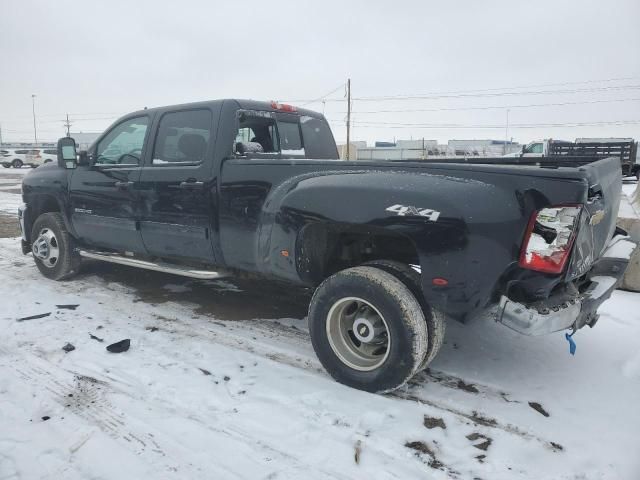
(33, 157)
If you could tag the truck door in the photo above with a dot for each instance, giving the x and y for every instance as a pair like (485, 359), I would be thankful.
(177, 188)
(103, 196)
(535, 149)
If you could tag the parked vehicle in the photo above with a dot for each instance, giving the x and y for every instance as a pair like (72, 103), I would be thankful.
(49, 155)
(32, 157)
(626, 149)
(5, 157)
(393, 249)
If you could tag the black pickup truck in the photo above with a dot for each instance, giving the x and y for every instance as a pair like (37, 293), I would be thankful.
(393, 249)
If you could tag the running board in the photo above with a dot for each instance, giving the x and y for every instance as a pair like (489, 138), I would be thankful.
(155, 266)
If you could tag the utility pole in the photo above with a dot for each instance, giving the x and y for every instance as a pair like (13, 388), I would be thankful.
(68, 125)
(33, 106)
(506, 134)
(348, 117)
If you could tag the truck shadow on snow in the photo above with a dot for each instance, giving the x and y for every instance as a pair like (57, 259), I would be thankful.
(224, 299)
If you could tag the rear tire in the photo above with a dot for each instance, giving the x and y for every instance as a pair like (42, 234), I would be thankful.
(390, 348)
(436, 324)
(53, 248)
(6, 165)
(17, 163)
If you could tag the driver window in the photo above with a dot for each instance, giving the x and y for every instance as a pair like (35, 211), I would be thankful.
(123, 144)
(534, 148)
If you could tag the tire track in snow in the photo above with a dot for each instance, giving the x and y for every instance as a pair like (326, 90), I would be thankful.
(271, 329)
(89, 401)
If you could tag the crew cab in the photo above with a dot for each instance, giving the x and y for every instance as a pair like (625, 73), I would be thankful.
(393, 250)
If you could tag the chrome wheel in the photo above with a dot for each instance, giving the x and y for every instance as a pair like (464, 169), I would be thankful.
(358, 334)
(46, 248)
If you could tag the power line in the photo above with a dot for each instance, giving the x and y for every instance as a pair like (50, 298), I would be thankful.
(319, 99)
(386, 98)
(496, 107)
(471, 126)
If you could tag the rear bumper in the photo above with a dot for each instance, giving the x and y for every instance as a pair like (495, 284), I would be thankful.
(571, 310)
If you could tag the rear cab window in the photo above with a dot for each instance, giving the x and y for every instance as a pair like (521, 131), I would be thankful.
(265, 134)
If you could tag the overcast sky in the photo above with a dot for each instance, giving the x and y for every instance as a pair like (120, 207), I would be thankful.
(100, 59)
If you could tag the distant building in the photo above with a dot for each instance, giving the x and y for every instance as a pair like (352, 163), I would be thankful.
(429, 149)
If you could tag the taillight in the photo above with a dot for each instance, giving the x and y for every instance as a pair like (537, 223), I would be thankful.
(283, 107)
(549, 238)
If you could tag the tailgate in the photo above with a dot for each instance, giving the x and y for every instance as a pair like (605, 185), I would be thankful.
(598, 221)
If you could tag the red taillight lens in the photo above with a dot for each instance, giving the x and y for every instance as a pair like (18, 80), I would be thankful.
(549, 238)
(283, 107)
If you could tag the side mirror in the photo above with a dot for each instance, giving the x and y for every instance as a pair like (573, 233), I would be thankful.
(67, 157)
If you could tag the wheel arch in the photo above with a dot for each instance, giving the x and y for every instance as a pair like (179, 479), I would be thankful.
(37, 205)
(323, 249)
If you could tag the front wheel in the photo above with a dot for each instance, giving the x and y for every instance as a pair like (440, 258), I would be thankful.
(368, 329)
(53, 248)
(17, 163)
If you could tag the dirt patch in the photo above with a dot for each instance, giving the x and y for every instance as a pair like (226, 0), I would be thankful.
(9, 227)
(423, 448)
(482, 420)
(484, 443)
(467, 387)
(433, 422)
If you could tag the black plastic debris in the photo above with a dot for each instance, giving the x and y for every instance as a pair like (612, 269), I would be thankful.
(33, 317)
(539, 408)
(45, 418)
(68, 348)
(67, 307)
(93, 337)
(119, 347)
(205, 371)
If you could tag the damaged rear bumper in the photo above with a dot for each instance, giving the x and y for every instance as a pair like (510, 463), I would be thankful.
(571, 311)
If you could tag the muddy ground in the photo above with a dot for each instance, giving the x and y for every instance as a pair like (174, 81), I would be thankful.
(9, 227)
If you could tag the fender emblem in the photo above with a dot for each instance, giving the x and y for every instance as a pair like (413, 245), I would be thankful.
(402, 211)
(597, 217)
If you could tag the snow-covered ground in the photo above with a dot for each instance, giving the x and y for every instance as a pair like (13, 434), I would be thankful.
(212, 389)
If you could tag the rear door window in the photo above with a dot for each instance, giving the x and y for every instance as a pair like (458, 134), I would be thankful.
(183, 137)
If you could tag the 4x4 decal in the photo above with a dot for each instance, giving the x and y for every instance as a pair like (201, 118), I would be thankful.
(403, 210)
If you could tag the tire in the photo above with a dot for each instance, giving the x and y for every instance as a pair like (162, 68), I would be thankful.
(6, 165)
(17, 163)
(368, 294)
(436, 323)
(53, 248)
(638, 175)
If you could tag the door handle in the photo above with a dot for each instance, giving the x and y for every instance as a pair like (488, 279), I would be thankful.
(123, 184)
(191, 184)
